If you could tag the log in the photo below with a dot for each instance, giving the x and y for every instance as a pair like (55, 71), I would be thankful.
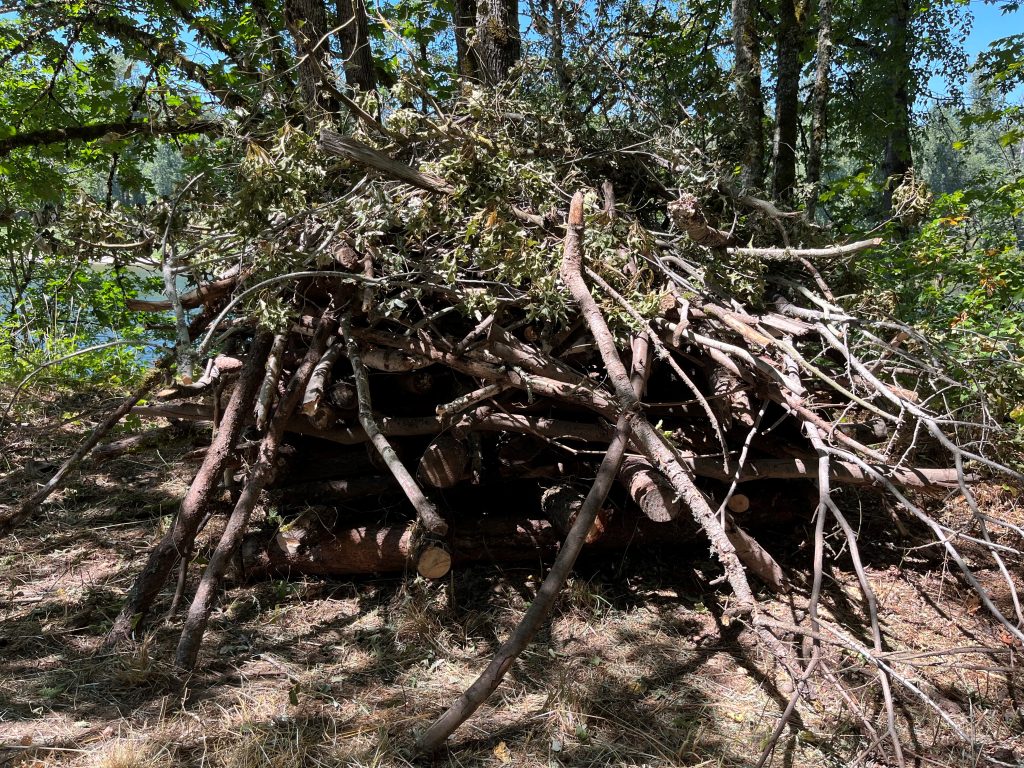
(649, 489)
(561, 505)
(446, 462)
(203, 294)
(738, 503)
(936, 479)
(370, 549)
(341, 490)
(433, 562)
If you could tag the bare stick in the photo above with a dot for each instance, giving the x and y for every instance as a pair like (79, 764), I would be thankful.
(651, 442)
(319, 380)
(470, 701)
(9, 522)
(179, 538)
(231, 539)
(806, 253)
(425, 510)
(269, 386)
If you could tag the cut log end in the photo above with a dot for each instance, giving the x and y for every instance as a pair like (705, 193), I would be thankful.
(738, 503)
(433, 562)
(561, 504)
(445, 463)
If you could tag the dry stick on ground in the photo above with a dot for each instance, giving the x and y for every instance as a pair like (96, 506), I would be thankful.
(30, 507)
(179, 538)
(428, 516)
(259, 476)
(9, 522)
(470, 701)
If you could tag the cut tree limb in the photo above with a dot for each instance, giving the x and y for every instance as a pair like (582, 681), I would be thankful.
(259, 477)
(470, 701)
(783, 254)
(425, 510)
(179, 538)
(653, 445)
(9, 522)
(363, 550)
(204, 294)
(343, 146)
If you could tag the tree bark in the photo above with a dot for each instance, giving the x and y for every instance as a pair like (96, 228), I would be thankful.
(747, 76)
(307, 22)
(354, 36)
(819, 105)
(898, 157)
(498, 45)
(464, 19)
(788, 43)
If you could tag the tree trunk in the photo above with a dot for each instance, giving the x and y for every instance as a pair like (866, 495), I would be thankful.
(498, 45)
(898, 158)
(747, 74)
(354, 36)
(788, 42)
(307, 23)
(556, 34)
(819, 104)
(464, 18)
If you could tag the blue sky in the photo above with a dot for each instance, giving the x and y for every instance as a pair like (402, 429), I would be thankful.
(991, 24)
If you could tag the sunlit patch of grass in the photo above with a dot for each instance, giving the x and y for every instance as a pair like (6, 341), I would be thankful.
(131, 753)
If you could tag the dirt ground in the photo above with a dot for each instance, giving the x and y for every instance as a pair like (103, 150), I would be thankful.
(639, 667)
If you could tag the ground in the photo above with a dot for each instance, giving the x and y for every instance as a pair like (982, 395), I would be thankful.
(640, 666)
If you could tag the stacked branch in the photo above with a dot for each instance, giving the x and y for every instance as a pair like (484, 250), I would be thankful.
(630, 395)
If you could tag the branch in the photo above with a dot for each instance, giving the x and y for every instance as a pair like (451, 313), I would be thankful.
(470, 701)
(425, 510)
(787, 254)
(342, 146)
(95, 131)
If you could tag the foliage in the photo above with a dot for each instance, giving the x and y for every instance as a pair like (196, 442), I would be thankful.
(618, 89)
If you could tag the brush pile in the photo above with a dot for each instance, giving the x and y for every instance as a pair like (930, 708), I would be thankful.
(428, 353)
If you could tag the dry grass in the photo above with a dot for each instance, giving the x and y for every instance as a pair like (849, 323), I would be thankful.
(637, 668)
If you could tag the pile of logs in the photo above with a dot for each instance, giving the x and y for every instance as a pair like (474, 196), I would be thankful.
(355, 440)
(384, 445)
